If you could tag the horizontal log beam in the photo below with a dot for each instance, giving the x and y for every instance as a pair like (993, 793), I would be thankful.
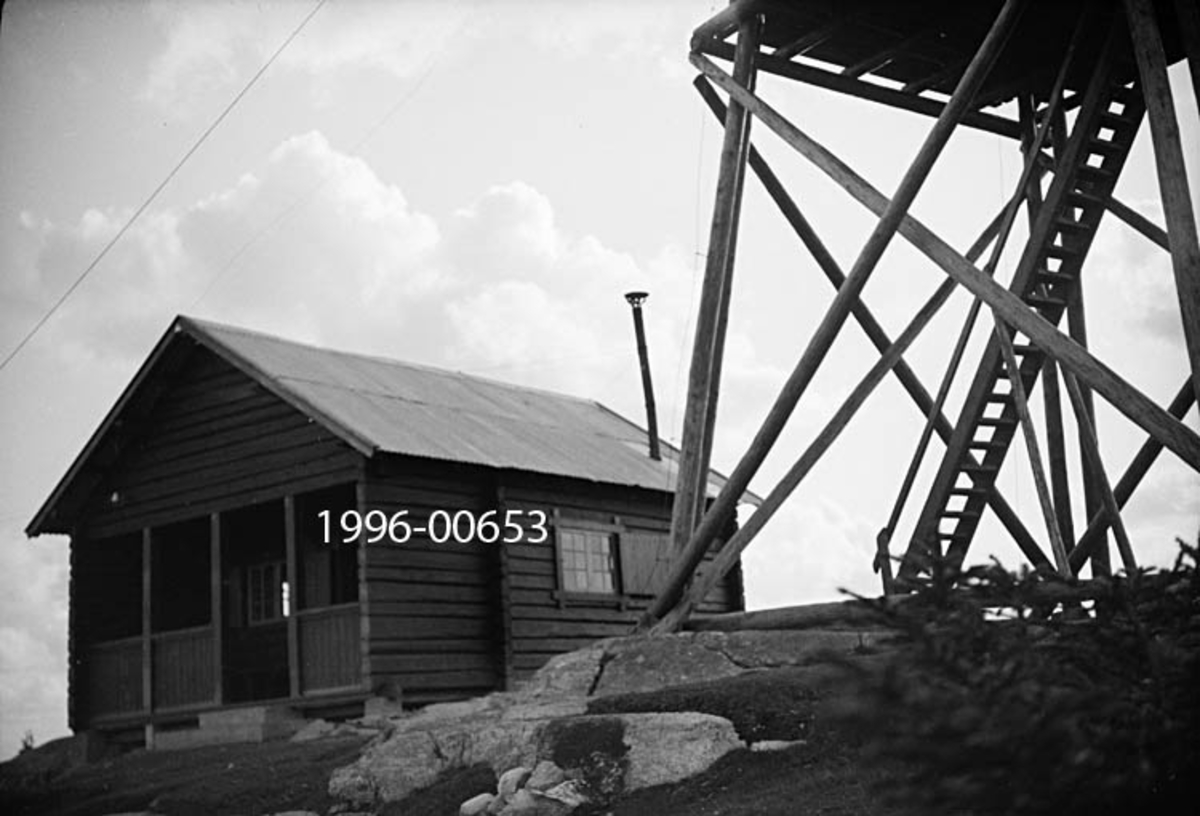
(862, 89)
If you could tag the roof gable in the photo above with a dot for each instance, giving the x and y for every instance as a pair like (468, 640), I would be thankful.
(378, 405)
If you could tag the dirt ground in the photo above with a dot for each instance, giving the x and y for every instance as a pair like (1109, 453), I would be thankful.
(822, 773)
(219, 780)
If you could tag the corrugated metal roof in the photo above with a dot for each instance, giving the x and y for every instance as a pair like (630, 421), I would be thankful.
(385, 405)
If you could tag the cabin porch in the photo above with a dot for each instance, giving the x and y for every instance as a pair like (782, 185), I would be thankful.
(241, 608)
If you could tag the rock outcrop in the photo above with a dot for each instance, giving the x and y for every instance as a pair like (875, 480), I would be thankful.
(550, 755)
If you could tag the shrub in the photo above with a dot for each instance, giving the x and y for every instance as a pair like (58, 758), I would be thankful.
(1014, 697)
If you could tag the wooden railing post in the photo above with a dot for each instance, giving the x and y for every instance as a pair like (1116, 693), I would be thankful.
(147, 622)
(293, 632)
(216, 605)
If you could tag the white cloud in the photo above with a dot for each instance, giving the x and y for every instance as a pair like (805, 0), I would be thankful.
(497, 288)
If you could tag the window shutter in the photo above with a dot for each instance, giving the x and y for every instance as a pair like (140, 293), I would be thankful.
(645, 562)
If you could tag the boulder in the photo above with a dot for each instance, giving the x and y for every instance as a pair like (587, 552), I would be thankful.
(545, 776)
(668, 747)
(476, 805)
(511, 781)
(314, 729)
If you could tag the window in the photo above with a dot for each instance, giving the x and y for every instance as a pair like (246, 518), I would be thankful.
(587, 561)
(266, 592)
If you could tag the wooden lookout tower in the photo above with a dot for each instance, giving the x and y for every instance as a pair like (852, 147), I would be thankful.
(1070, 82)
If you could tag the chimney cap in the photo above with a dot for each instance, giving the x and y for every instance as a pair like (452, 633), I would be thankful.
(635, 298)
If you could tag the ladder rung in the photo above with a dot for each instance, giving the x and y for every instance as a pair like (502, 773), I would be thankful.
(1045, 302)
(987, 445)
(996, 422)
(969, 491)
(960, 514)
(1071, 225)
(1000, 399)
(975, 467)
(1102, 147)
(1052, 278)
(953, 536)
(1063, 253)
(1085, 198)
(1024, 348)
(1095, 174)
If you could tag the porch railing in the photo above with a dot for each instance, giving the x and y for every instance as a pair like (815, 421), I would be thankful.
(329, 647)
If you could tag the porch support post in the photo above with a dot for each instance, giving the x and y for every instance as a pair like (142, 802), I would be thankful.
(708, 344)
(1172, 174)
(362, 505)
(147, 644)
(216, 605)
(293, 631)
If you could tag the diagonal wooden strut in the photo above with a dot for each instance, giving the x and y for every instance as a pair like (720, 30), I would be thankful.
(732, 550)
(1160, 424)
(1021, 404)
(889, 221)
(875, 332)
(1129, 481)
(1092, 372)
(1091, 450)
(1172, 173)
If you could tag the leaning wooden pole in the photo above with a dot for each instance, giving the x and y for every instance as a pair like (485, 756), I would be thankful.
(1129, 481)
(1021, 404)
(839, 310)
(733, 548)
(1091, 450)
(750, 29)
(1172, 173)
(692, 478)
(1077, 328)
(866, 319)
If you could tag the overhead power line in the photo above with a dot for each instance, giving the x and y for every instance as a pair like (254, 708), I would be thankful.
(153, 195)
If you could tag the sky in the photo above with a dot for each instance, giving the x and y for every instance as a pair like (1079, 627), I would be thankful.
(474, 185)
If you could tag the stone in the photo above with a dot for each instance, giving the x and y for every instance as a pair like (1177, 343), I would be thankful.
(315, 729)
(645, 664)
(573, 673)
(546, 775)
(390, 770)
(476, 805)
(527, 803)
(778, 648)
(543, 710)
(668, 747)
(570, 793)
(511, 781)
(774, 745)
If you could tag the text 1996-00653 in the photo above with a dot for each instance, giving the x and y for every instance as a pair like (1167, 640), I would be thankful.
(441, 527)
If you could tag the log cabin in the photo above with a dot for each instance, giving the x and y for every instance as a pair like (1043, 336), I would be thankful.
(260, 523)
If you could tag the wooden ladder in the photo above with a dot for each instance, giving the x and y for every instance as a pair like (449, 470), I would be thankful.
(1046, 278)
